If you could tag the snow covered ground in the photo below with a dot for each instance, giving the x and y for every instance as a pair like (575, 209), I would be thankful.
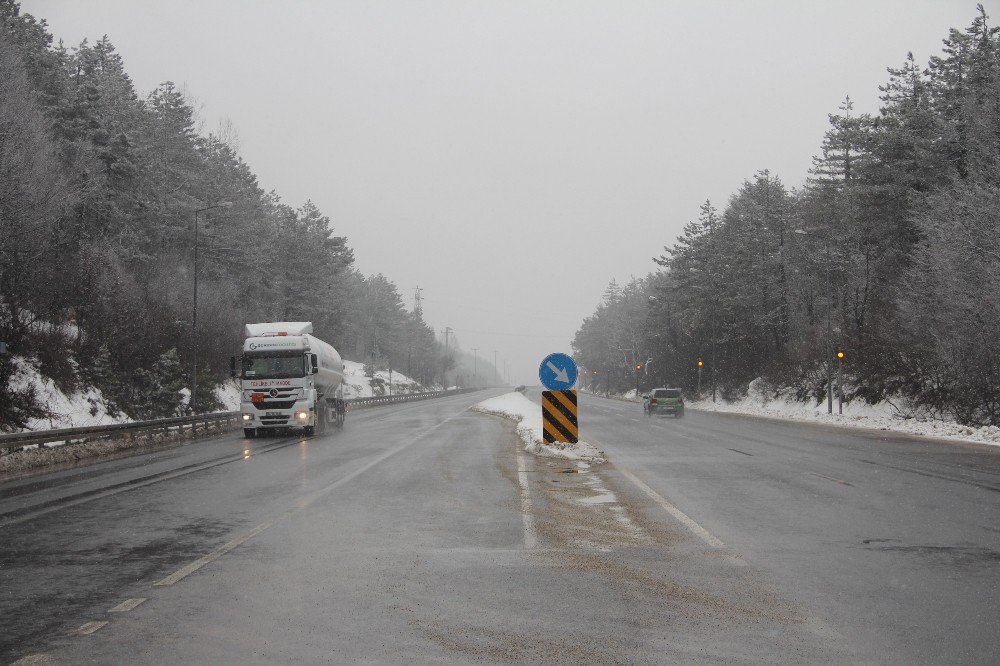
(87, 408)
(357, 385)
(528, 417)
(857, 414)
(69, 411)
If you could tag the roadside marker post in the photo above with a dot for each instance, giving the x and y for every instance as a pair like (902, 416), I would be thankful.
(559, 417)
(558, 373)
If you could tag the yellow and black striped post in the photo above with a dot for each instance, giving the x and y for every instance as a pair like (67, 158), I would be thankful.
(559, 417)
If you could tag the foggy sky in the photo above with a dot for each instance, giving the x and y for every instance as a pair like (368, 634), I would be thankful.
(510, 158)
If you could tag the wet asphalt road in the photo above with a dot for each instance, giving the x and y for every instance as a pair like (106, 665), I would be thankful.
(894, 541)
(420, 534)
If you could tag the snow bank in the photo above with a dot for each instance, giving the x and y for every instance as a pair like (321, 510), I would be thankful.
(882, 416)
(528, 416)
(229, 394)
(857, 414)
(86, 408)
(357, 385)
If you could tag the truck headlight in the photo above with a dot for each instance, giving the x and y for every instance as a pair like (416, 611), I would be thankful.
(302, 416)
(248, 417)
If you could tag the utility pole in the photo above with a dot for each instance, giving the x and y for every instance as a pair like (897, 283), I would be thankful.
(828, 356)
(418, 307)
(444, 373)
(194, 308)
(475, 367)
(496, 372)
(829, 334)
(840, 382)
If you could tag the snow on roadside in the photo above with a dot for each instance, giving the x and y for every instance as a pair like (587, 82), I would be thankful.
(88, 408)
(358, 385)
(879, 417)
(857, 414)
(85, 408)
(230, 395)
(528, 417)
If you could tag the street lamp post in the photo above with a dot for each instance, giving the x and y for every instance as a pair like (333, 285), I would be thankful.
(829, 321)
(194, 307)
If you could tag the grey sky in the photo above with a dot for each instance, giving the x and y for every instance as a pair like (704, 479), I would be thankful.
(512, 157)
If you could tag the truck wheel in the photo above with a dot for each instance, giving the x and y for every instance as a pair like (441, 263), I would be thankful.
(250, 433)
(309, 430)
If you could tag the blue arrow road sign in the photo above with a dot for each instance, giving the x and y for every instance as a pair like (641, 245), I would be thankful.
(558, 372)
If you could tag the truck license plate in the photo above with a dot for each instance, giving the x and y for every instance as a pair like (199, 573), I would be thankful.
(273, 414)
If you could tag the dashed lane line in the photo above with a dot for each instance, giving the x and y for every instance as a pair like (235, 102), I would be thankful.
(673, 432)
(685, 520)
(197, 564)
(127, 605)
(89, 628)
(830, 478)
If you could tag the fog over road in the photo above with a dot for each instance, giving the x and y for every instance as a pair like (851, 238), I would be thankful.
(421, 533)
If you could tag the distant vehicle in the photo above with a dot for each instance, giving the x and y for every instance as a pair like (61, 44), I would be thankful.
(664, 401)
(521, 389)
(289, 379)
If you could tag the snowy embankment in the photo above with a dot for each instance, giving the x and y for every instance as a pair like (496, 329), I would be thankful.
(72, 410)
(528, 417)
(88, 408)
(358, 385)
(857, 414)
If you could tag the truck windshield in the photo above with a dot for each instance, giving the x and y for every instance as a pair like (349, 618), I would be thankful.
(274, 367)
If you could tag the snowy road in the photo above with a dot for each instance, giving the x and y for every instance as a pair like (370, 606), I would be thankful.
(423, 534)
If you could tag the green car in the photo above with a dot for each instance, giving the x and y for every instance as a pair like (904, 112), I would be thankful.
(664, 401)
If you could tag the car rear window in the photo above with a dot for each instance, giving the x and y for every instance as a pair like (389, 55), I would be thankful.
(667, 393)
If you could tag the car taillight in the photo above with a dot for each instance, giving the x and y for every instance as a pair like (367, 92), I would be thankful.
(680, 401)
(652, 401)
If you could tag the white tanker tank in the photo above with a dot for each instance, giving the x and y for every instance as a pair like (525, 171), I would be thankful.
(289, 379)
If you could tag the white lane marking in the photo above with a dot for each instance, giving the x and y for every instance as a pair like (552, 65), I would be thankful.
(41, 659)
(189, 569)
(686, 520)
(528, 520)
(89, 628)
(673, 432)
(127, 605)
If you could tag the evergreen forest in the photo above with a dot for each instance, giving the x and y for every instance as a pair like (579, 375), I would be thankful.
(888, 254)
(100, 189)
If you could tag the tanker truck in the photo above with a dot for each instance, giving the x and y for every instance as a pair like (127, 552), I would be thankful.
(289, 379)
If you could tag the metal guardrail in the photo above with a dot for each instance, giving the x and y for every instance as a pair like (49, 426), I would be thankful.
(361, 403)
(14, 441)
(90, 433)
